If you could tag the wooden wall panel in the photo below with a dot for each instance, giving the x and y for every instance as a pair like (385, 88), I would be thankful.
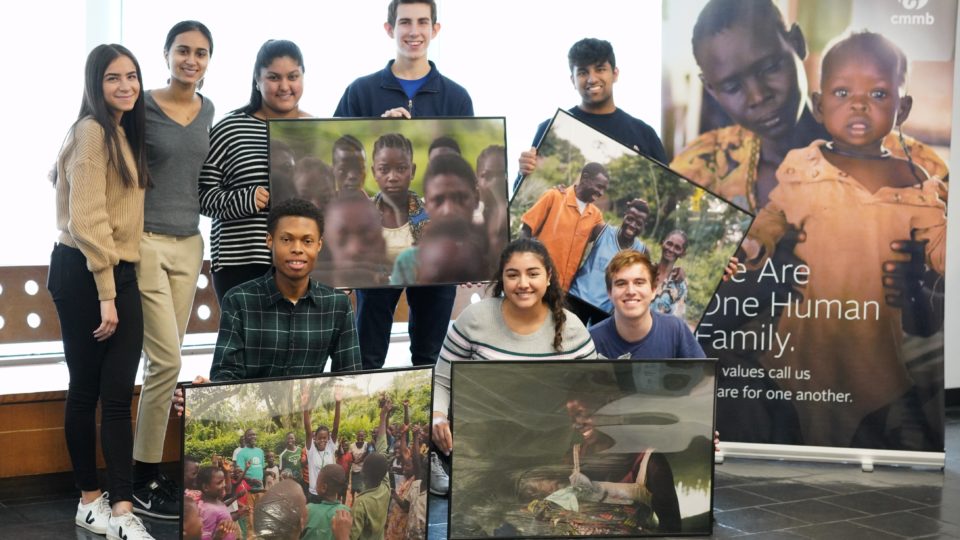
(32, 440)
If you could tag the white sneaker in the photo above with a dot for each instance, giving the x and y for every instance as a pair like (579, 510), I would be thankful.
(95, 515)
(127, 527)
(439, 479)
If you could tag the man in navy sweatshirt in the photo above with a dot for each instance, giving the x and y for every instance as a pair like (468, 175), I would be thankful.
(410, 85)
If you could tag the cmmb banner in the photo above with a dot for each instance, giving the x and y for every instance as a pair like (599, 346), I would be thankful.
(830, 121)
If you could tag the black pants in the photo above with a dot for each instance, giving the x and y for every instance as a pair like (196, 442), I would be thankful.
(429, 315)
(102, 371)
(228, 277)
(588, 314)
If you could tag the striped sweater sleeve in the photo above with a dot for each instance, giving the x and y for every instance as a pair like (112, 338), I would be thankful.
(217, 198)
(456, 346)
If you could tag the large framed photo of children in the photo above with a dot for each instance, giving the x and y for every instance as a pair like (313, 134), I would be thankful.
(405, 201)
(591, 197)
(584, 449)
(845, 265)
(312, 456)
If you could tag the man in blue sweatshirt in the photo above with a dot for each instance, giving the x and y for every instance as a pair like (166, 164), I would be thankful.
(410, 85)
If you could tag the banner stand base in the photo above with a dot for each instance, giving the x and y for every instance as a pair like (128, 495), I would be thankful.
(866, 457)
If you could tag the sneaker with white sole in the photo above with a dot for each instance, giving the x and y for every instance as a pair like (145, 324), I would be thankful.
(155, 500)
(127, 527)
(95, 515)
(439, 479)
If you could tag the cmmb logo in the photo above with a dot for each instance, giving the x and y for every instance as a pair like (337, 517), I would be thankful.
(926, 18)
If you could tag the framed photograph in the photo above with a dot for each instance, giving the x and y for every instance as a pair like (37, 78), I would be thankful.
(405, 201)
(591, 197)
(617, 448)
(347, 439)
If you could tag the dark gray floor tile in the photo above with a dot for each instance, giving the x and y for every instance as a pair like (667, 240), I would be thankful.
(9, 516)
(723, 531)
(842, 529)
(844, 488)
(163, 530)
(756, 520)
(814, 511)
(51, 511)
(872, 502)
(722, 480)
(940, 513)
(787, 491)
(49, 531)
(908, 524)
(927, 495)
(733, 498)
(774, 535)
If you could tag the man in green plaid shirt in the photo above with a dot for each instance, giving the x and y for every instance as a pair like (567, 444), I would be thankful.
(285, 323)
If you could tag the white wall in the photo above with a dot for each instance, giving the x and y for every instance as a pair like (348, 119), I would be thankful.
(511, 55)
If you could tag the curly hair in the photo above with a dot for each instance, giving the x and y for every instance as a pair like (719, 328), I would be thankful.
(294, 208)
(552, 297)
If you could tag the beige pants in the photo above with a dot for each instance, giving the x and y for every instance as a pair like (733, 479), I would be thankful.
(167, 275)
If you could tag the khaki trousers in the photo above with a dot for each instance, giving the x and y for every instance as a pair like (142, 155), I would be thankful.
(167, 274)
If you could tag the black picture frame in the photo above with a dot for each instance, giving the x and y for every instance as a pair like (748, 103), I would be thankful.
(514, 425)
(710, 227)
(318, 159)
(205, 403)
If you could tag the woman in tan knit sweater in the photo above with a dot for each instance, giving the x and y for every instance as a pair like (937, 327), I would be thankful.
(100, 179)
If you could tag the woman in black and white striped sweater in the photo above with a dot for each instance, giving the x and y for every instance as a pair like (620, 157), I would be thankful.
(235, 180)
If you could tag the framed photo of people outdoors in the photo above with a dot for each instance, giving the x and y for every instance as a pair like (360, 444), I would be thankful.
(591, 197)
(405, 201)
(331, 442)
(618, 448)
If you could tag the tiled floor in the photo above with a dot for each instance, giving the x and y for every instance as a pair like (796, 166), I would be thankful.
(753, 499)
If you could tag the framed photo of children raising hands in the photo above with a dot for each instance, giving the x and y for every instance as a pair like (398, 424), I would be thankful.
(417, 201)
(355, 445)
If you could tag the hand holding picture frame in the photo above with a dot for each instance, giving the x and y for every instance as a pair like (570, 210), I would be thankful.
(591, 197)
(405, 201)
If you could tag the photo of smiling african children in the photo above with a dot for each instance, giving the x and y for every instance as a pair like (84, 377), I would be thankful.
(353, 448)
(591, 197)
(612, 448)
(418, 201)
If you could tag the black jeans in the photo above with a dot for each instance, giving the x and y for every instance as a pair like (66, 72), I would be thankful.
(102, 371)
(228, 277)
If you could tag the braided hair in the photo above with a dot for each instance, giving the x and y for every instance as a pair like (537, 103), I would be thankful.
(552, 297)
(394, 140)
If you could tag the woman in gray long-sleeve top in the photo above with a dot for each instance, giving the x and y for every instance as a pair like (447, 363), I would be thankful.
(171, 249)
